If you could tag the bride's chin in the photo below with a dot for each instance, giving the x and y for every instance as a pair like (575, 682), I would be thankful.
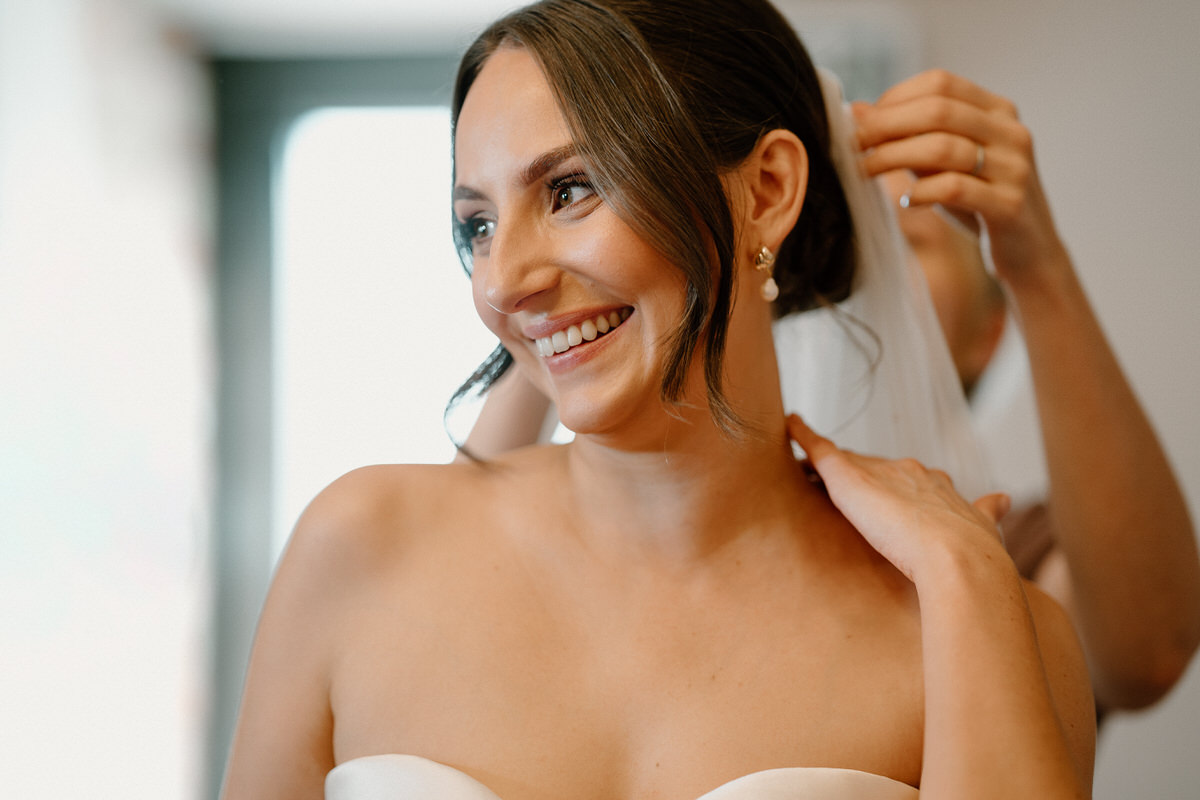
(596, 416)
(586, 421)
(627, 425)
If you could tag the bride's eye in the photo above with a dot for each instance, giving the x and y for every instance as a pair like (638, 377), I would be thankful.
(568, 191)
(482, 228)
(477, 229)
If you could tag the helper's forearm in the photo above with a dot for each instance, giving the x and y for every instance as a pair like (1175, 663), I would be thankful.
(513, 416)
(1118, 513)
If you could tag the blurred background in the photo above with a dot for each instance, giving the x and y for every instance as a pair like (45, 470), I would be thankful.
(226, 277)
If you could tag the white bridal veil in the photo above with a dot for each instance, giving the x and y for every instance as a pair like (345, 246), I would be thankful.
(874, 373)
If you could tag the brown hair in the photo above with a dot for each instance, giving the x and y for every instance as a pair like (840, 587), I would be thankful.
(662, 97)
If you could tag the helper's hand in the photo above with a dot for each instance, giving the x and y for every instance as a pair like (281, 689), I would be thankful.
(904, 510)
(965, 149)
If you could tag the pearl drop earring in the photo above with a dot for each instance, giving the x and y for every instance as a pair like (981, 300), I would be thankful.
(765, 261)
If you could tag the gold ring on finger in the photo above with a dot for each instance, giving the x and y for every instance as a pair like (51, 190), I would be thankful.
(980, 158)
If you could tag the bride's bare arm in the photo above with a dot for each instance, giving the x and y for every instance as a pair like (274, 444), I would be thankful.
(283, 745)
(1008, 706)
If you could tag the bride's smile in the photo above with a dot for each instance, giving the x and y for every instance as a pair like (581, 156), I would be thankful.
(567, 336)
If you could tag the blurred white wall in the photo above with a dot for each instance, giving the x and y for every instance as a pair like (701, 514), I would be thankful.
(104, 403)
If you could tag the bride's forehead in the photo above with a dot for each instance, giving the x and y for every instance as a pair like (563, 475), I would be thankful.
(510, 105)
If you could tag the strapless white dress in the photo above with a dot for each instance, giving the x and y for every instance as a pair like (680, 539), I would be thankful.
(399, 777)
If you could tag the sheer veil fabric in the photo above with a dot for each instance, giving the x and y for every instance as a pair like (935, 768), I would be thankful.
(874, 372)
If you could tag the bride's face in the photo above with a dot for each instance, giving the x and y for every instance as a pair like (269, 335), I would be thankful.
(581, 301)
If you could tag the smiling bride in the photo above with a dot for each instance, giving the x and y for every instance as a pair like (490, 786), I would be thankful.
(672, 605)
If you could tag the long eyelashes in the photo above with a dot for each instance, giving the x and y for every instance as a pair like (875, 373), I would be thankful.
(566, 193)
(569, 190)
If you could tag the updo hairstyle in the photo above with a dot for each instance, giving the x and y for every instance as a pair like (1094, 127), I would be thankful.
(662, 98)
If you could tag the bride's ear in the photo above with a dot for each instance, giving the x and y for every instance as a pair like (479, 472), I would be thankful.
(774, 178)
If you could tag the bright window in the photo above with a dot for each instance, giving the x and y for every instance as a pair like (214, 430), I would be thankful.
(374, 323)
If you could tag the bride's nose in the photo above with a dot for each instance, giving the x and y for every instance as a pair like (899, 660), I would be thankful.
(520, 266)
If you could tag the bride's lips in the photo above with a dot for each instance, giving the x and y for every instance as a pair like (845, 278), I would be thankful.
(559, 338)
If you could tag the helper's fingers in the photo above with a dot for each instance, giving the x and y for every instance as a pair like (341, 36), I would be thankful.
(815, 446)
(928, 114)
(946, 84)
(926, 154)
(994, 506)
(959, 192)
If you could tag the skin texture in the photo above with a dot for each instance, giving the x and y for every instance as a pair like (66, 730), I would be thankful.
(658, 607)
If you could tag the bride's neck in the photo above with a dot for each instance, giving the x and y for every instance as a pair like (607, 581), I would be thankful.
(688, 498)
(671, 483)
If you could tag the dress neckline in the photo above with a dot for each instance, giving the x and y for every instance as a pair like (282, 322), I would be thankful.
(732, 790)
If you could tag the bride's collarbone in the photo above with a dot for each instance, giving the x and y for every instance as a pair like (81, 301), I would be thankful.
(507, 643)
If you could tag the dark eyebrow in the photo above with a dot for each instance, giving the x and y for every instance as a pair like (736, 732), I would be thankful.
(531, 174)
(467, 193)
(546, 162)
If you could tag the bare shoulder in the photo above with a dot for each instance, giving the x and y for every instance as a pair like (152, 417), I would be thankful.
(374, 513)
(1066, 673)
(371, 517)
(343, 543)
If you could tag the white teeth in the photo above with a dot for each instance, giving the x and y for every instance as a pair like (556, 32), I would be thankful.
(587, 331)
(559, 340)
